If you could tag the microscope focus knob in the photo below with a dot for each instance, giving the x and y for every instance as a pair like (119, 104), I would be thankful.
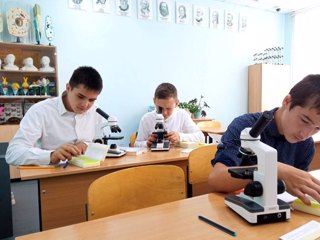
(253, 189)
(281, 186)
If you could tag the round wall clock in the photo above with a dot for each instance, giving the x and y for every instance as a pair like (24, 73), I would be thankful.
(18, 22)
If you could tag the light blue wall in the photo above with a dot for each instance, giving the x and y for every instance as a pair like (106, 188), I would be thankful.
(134, 56)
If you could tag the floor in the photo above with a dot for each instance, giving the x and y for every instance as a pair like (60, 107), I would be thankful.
(25, 213)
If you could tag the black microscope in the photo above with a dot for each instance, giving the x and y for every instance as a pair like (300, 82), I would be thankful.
(161, 143)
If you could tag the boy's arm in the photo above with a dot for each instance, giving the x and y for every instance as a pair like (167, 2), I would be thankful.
(220, 180)
(299, 182)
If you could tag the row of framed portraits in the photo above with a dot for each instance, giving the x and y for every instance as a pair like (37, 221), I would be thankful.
(167, 11)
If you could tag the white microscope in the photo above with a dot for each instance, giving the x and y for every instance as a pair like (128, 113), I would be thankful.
(259, 203)
(161, 144)
(100, 137)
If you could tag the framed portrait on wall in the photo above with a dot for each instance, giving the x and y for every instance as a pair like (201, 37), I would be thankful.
(164, 10)
(243, 22)
(200, 16)
(103, 6)
(123, 7)
(216, 19)
(144, 9)
(183, 13)
(78, 4)
(230, 21)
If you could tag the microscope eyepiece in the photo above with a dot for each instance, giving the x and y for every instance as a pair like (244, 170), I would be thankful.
(260, 125)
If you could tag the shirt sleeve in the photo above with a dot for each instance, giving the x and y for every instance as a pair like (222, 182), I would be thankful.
(228, 149)
(22, 149)
(144, 131)
(190, 131)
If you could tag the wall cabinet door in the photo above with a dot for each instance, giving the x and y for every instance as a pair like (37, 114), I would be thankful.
(267, 86)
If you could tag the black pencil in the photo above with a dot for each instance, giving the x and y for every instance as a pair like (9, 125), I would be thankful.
(222, 228)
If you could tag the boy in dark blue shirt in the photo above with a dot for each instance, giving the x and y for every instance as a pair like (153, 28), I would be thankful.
(289, 133)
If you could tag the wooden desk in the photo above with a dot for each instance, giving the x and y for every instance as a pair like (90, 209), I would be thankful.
(175, 220)
(63, 192)
(213, 130)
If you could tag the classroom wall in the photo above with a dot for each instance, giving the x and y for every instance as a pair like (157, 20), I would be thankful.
(133, 56)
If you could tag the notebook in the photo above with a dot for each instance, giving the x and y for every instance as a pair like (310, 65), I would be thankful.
(93, 156)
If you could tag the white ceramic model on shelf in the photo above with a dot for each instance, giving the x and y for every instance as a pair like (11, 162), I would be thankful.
(28, 65)
(9, 63)
(45, 65)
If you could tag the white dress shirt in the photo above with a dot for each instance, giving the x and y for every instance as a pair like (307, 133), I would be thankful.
(46, 126)
(179, 121)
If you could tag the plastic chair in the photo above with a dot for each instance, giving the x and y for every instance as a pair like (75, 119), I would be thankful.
(207, 126)
(199, 168)
(134, 188)
(133, 138)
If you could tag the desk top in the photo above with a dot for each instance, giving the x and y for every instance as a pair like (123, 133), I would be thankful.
(174, 154)
(213, 130)
(175, 220)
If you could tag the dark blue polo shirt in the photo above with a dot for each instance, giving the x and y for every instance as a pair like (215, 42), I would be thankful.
(298, 154)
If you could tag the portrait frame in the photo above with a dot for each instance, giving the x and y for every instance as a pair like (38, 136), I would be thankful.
(123, 8)
(200, 16)
(215, 18)
(78, 4)
(230, 21)
(144, 9)
(103, 6)
(164, 10)
(180, 17)
(243, 22)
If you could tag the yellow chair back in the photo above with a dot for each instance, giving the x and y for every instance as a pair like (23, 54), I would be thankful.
(135, 188)
(199, 168)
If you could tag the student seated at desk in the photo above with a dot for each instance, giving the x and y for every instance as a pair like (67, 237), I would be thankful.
(59, 128)
(178, 123)
(289, 133)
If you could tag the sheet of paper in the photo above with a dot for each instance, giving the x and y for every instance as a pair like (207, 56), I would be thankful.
(310, 230)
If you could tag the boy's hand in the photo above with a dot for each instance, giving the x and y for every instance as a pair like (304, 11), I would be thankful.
(299, 183)
(173, 137)
(66, 151)
(151, 139)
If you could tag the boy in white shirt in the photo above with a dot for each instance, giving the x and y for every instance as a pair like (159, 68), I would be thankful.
(59, 128)
(177, 122)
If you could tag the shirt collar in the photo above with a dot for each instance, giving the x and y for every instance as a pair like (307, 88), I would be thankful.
(62, 109)
(272, 127)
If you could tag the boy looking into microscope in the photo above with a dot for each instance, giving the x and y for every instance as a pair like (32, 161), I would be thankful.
(178, 123)
(289, 133)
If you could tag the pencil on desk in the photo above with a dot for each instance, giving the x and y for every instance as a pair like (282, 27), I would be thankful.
(37, 167)
(222, 228)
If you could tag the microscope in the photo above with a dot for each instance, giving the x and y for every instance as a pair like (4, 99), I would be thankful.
(161, 144)
(103, 139)
(258, 203)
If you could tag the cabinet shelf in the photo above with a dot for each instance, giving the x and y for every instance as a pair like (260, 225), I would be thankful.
(22, 51)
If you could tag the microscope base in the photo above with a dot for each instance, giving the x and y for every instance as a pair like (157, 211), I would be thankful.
(160, 146)
(255, 213)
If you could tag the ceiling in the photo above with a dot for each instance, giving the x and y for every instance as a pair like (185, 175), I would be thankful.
(283, 6)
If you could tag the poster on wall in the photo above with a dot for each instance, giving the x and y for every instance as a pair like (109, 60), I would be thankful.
(200, 16)
(183, 13)
(215, 21)
(243, 23)
(144, 9)
(230, 21)
(103, 6)
(164, 10)
(123, 7)
(78, 4)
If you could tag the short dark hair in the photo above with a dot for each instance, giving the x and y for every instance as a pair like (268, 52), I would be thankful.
(166, 90)
(87, 76)
(306, 92)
